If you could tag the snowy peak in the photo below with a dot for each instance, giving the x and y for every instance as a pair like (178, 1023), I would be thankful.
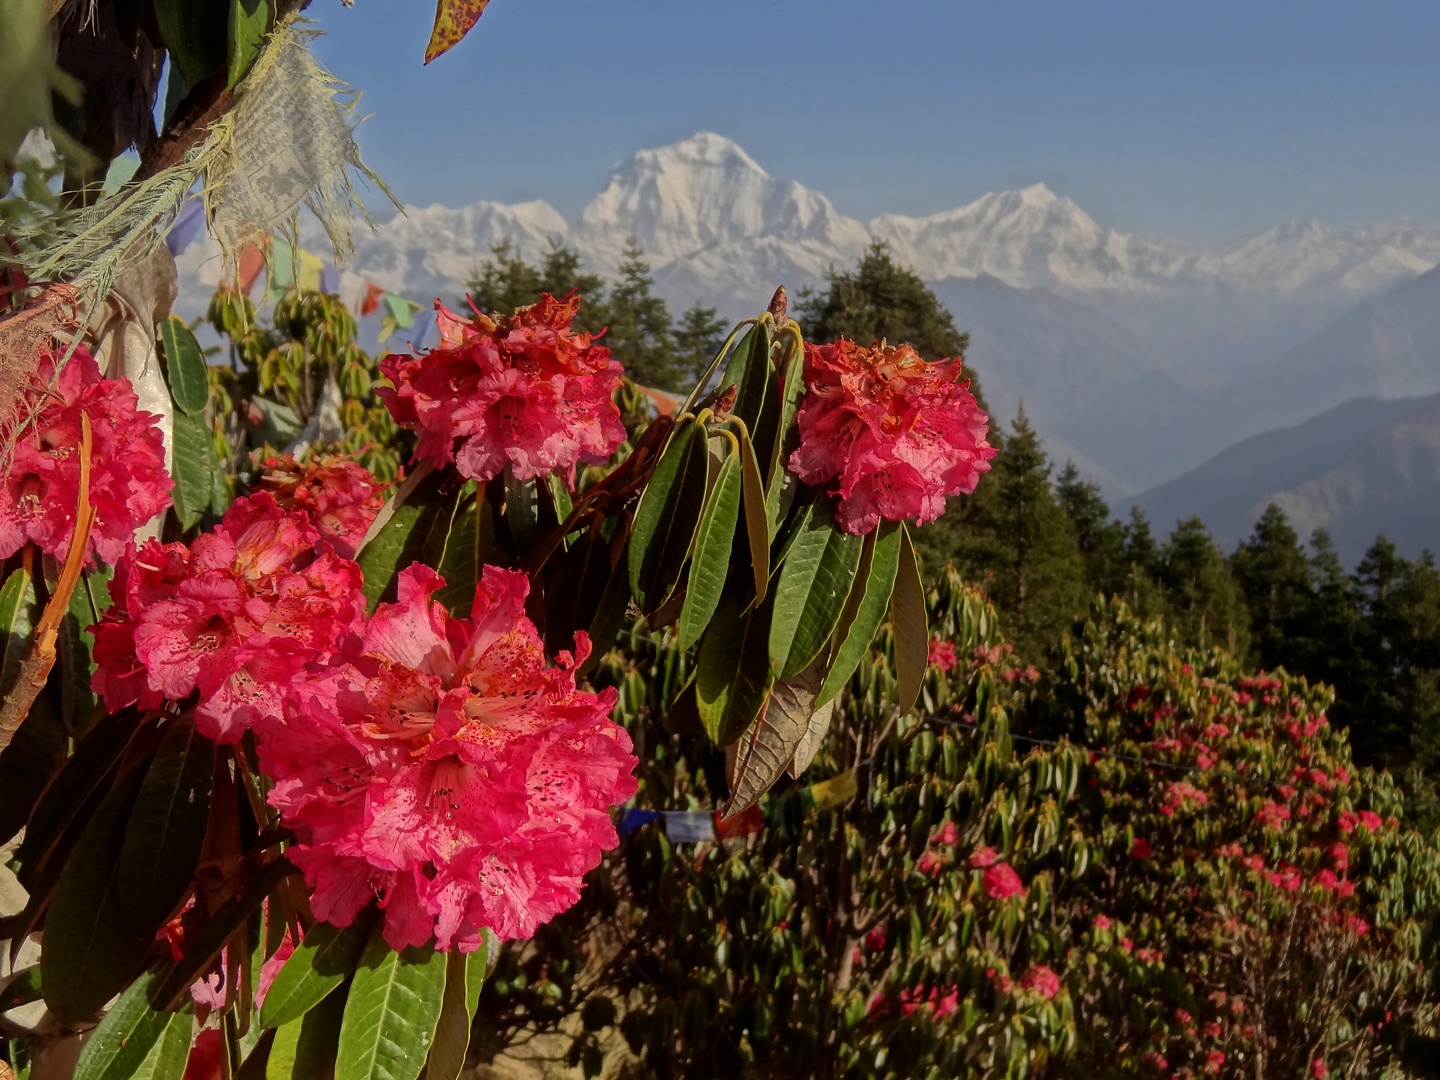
(704, 191)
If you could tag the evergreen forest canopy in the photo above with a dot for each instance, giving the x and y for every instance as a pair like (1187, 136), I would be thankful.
(1043, 544)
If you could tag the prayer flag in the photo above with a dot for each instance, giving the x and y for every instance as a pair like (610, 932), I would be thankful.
(690, 826)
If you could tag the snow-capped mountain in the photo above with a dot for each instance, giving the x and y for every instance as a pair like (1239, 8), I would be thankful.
(716, 226)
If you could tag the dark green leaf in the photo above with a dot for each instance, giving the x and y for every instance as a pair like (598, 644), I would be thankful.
(304, 1049)
(464, 978)
(521, 511)
(912, 626)
(668, 516)
(869, 597)
(38, 746)
(194, 32)
(91, 950)
(711, 564)
(752, 373)
(17, 621)
(732, 676)
(575, 583)
(402, 541)
(167, 1058)
(249, 21)
(195, 464)
(125, 1036)
(73, 647)
(184, 364)
(609, 615)
(94, 760)
(167, 827)
(391, 1013)
(322, 962)
(470, 543)
(810, 594)
(758, 526)
(791, 389)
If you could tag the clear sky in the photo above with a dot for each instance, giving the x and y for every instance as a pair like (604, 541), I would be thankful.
(1203, 120)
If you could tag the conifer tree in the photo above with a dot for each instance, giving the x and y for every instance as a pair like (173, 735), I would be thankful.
(1206, 605)
(699, 338)
(641, 334)
(1272, 571)
(1101, 539)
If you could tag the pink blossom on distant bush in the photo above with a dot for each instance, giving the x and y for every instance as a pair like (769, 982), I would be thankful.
(895, 435)
(41, 492)
(1001, 882)
(444, 768)
(1042, 981)
(523, 390)
(1140, 848)
(942, 654)
(984, 856)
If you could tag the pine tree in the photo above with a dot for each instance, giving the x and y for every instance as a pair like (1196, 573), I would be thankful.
(1274, 574)
(699, 338)
(1101, 539)
(505, 281)
(1205, 604)
(641, 334)
(1016, 539)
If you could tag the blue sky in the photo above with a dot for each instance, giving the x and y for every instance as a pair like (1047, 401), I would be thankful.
(1203, 120)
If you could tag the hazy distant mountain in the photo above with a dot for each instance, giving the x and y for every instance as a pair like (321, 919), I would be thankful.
(1365, 467)
(1388, 347)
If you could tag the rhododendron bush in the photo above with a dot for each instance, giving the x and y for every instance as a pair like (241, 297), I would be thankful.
(1144, 863)
(314, 736)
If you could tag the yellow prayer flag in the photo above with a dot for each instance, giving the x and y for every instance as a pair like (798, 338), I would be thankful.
(834, 791)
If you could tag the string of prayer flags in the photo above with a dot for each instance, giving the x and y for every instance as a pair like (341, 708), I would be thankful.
(252, 262)
(330, 279)
(690, 826)
(633, 818)
(833, 792)
(750, 820)
(371, 303)
(309, 271)
(399, 314)
(189, 224)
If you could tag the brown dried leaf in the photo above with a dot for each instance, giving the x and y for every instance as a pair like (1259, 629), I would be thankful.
(768, 747)
(453, 20)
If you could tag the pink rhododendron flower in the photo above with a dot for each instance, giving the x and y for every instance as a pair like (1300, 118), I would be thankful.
(1370, 820)
(338, 495)
(982, 857)
(1140, 848)
(895, 434)
(929, 864)
(523, 390)
(1318, 1069)
(946, 835)
(235, 615)
(41, 493)
(942, 654)
(1214, 1061)
(444, 769)
(1271, 814)
(1042, 981)
(1180, 795)
(1102, 922)
(1001, 882)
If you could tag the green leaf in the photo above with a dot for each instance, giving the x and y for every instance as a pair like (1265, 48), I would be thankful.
(194, 32)
(38, 746)
(124, 1037)
(521, 511)
(751, 373)
(865, 609)
(321, 963)
(668, 515)
(609, 617)
(73, 645)
(185, 366)
(249, 22)
(167, 827)
(401, 541)
(168, 1057)
(912, 626)
(91, 950)
(791, 390)
(814, 584)
(464, 978)
(470, 543)
(304, 1049)
(711, 563)
(732, 676)
(575, 584)
(391, 1013)
(195, 466)
(758, 526)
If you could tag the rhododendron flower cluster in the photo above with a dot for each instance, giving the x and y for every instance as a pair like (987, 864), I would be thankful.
(337, 494)
(443, 768)
(523, 391)
(1002, 882)
(942, 654)
(893, 433)
(41, 495)
(1041, 980)
(235, 615)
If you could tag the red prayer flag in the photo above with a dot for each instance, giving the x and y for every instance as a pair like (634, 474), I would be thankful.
(252, 261)
(748, 821)
(373, 293)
